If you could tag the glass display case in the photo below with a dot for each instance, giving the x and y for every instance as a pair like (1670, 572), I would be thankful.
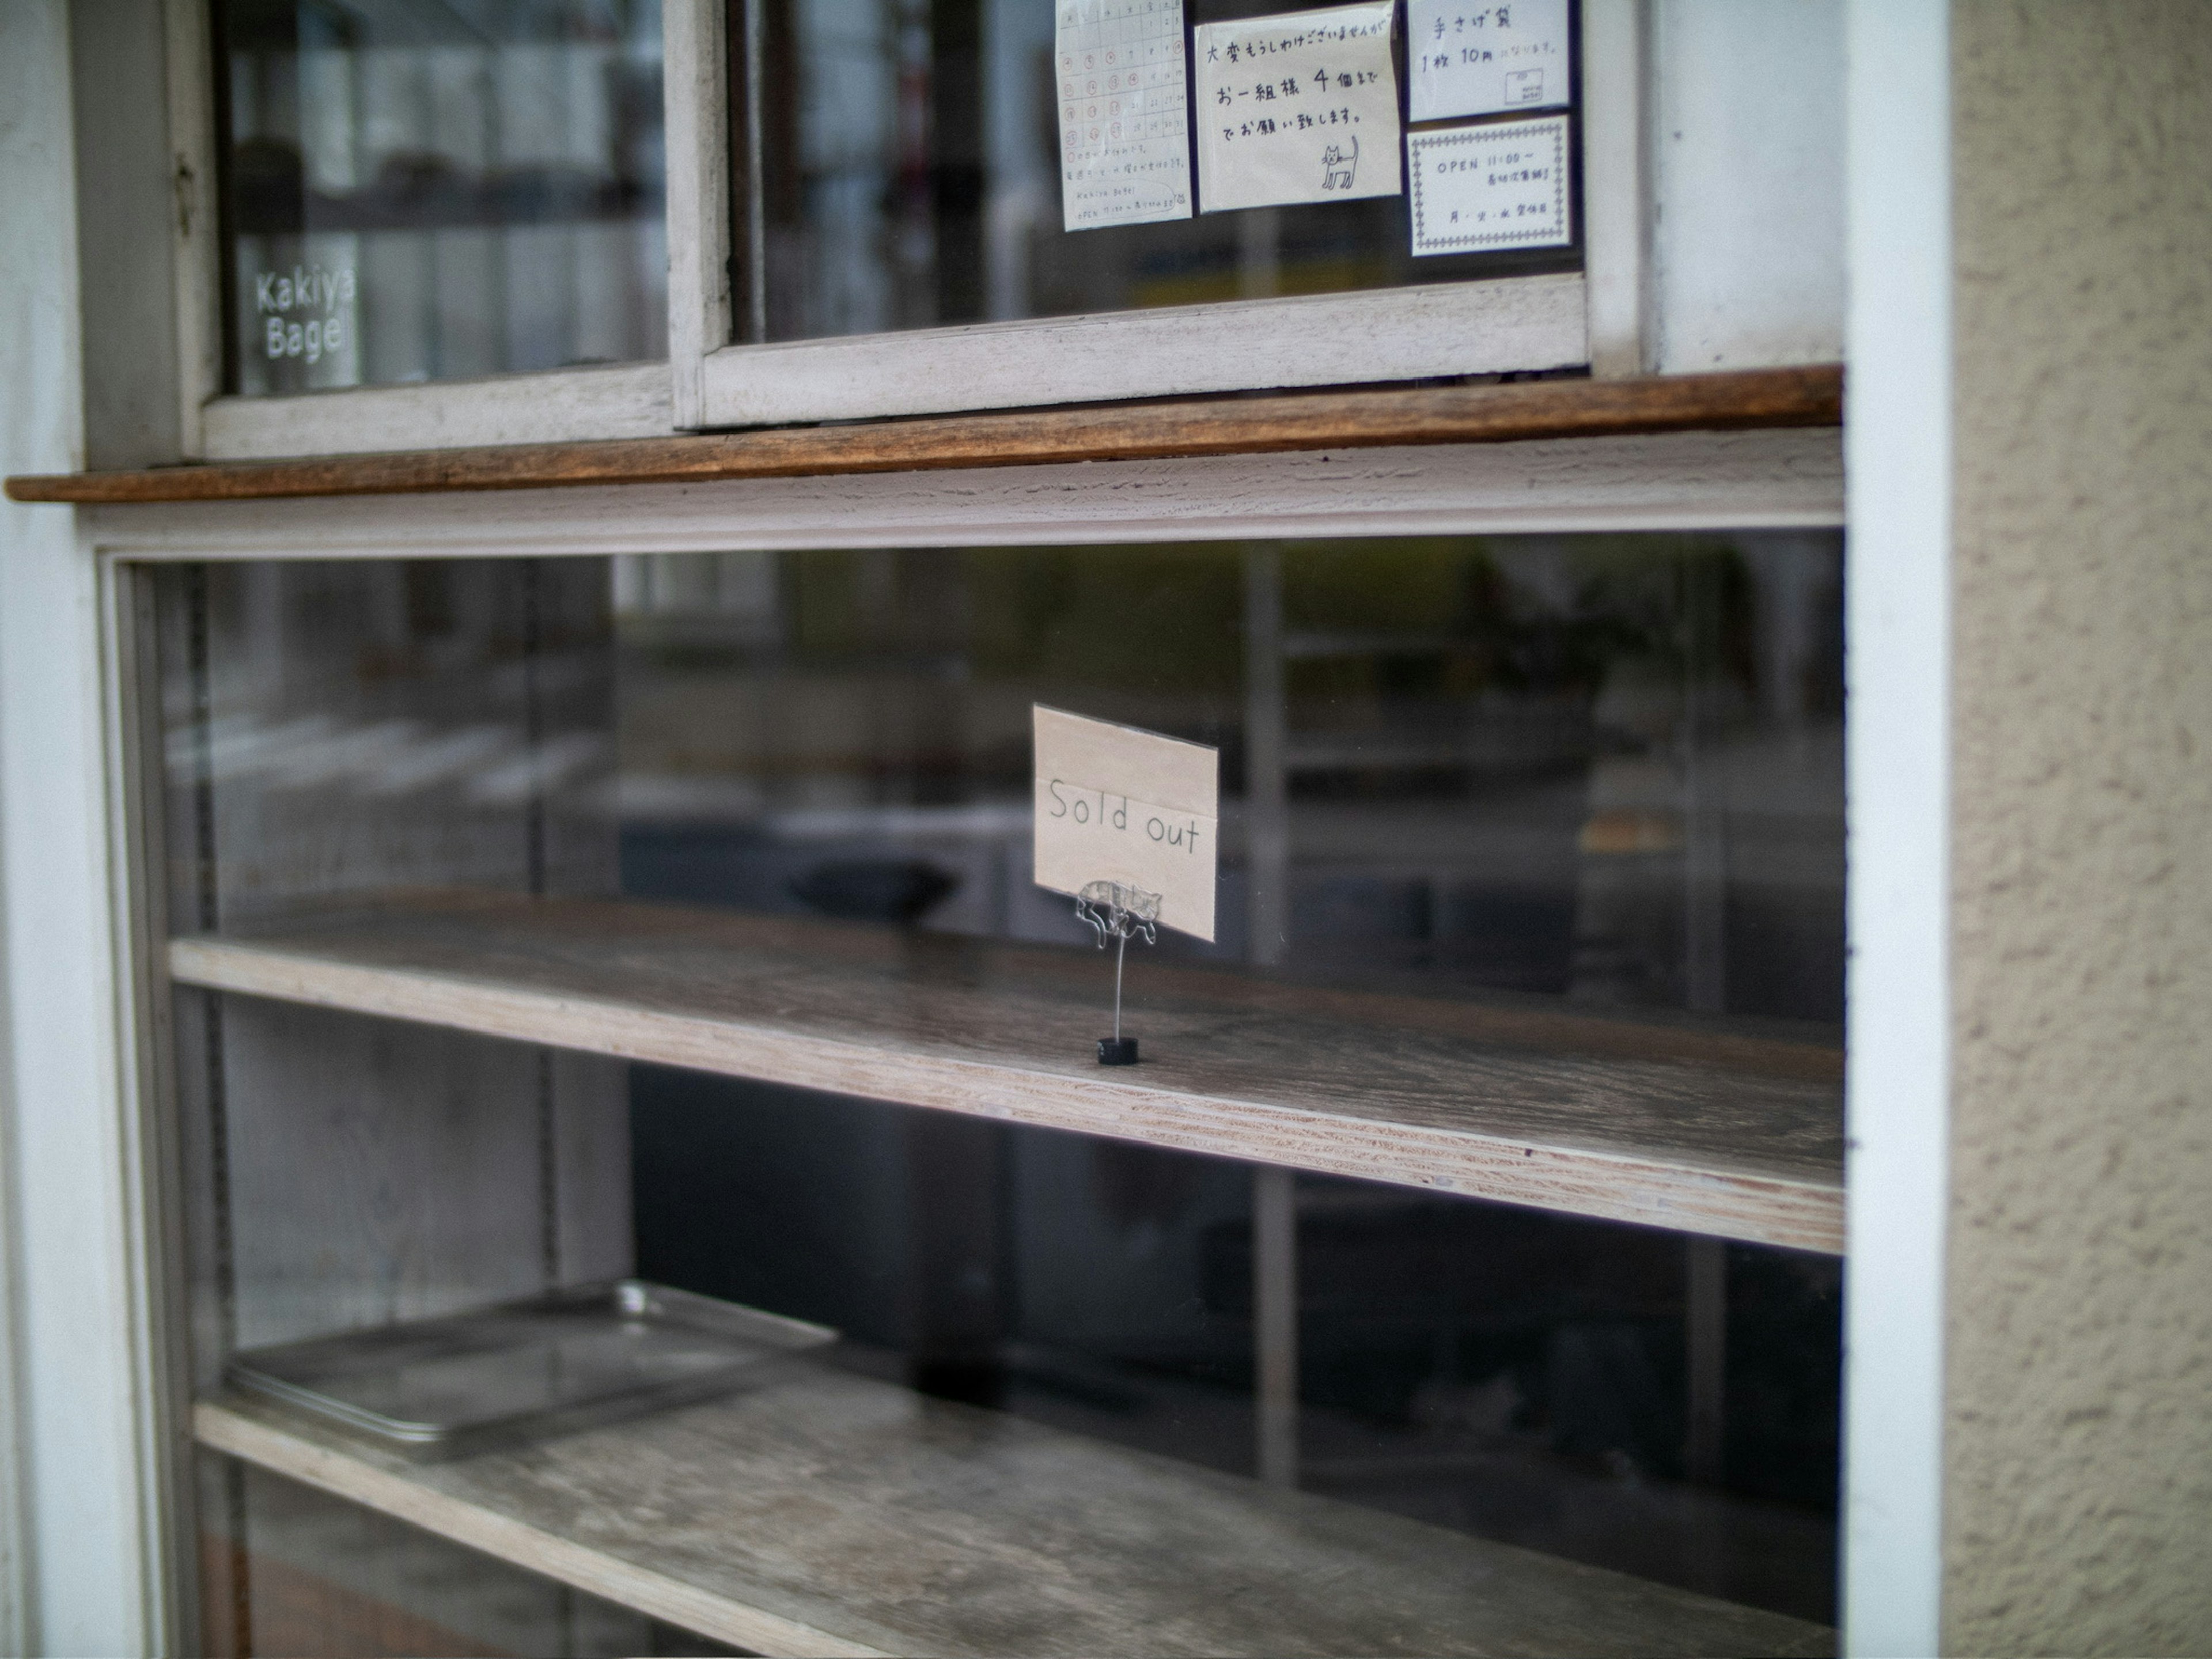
(617, 1151)
(1458, 1269)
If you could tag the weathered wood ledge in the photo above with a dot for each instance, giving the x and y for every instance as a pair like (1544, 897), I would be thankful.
(1348, 420)
(1720, 1133)
(822, 1513)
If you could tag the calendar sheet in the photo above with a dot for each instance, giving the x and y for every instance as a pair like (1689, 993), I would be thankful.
(1124, 112)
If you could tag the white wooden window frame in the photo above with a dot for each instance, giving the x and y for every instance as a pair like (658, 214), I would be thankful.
(1780, 478)
(1504, 325)
(106, 1566)
(1500, 325)
(627, 400)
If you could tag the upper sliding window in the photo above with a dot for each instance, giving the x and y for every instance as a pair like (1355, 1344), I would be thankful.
(427, 190)
(904, 164)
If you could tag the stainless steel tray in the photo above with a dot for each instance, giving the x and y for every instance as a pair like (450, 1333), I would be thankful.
(441, 1387)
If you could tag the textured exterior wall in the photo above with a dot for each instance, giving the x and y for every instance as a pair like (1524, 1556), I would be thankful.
(2078, 1480)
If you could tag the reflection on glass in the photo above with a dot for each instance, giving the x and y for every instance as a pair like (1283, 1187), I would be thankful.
(1529, 1378)
(287, 1569)
(424, 190)
(907, 175)
(1605, 769)
(1520, 1377)
(1597, 771)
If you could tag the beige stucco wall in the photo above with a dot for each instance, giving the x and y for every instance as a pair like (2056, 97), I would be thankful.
(2078, 1484)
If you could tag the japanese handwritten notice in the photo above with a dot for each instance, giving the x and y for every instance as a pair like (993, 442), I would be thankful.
(1471, 58)
(1301, 107)
(1117, 804)
(1501, 186)
(1124, 112)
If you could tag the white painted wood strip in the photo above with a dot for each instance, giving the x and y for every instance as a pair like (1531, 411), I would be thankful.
(195, 227)
(392, 1492)
(696, 124)
(1899, 789)
(1747, 210)
(1703, 1195)
(1617, 182)
(630, 400)
(1674, 481)
(1508, 324)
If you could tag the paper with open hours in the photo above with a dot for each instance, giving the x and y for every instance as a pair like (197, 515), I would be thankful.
(1114, 802)
(1496, 186)
(1298, 107)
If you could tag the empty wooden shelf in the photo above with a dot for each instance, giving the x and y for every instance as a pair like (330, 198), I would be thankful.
(825, 1513)
(1677, 1127)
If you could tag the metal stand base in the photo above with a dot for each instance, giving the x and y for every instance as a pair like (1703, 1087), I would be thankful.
(1117, 1051)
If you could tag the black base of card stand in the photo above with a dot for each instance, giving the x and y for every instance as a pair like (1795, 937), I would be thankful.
(1117, 910)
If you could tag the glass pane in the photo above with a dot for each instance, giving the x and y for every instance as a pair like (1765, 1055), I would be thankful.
(1526, 1378)
(286, 1569)
(909, 174)
(428, 189)
(1588, 775)
(1602, 768)
(1597, 773)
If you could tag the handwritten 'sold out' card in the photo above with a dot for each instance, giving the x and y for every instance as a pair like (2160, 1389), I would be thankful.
(1483, 187)
(1117, 804)
(1124, 112)
(1301, 107)
(1482, 56)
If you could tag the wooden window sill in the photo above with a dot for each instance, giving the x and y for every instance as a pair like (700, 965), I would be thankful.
(825, 1513)
(1706, 1132)
(1519, 411)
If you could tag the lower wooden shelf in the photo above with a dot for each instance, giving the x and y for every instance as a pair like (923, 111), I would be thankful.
(825, 1513)
(1709, 1131)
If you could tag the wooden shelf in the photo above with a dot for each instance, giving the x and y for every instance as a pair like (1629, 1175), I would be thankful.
(1231, 426)
(1672, 1126)
(825, 1513)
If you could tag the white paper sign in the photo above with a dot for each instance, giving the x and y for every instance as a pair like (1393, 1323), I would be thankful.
(1301, 107)
(1480, 56)
(1117, 804)
(1124, 112)
(1478, 188)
